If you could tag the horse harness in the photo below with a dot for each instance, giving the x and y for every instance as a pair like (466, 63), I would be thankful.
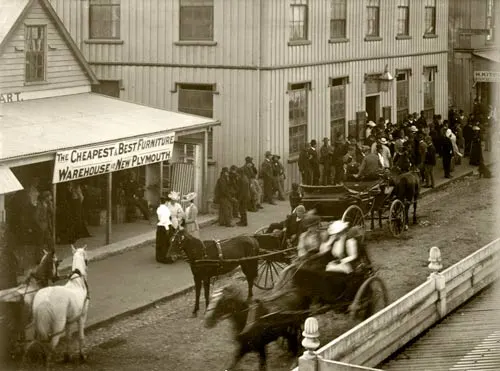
(77, 271)
(219, 250)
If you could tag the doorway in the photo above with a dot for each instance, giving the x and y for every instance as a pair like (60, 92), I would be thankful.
(372, 108)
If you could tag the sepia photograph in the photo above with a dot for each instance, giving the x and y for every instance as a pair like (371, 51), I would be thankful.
(249, 185)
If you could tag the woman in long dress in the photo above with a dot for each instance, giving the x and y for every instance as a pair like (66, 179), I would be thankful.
(476, 152)
(191, 216)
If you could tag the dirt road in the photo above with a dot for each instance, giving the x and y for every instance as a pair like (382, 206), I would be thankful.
(459, 219)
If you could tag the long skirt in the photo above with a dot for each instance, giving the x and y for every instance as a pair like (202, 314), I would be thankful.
(162, 244)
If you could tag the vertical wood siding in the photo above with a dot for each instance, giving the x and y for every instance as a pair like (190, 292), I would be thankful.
(62, 70)
(149, 30)
(276, 51)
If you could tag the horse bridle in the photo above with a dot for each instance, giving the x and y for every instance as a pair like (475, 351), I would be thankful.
(79, 273)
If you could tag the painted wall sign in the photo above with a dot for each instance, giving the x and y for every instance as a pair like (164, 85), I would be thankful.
(10, 97)
(486, 76)
(86, 162)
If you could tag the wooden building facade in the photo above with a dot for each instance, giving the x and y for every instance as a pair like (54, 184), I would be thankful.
(274, 73)
(474, 55)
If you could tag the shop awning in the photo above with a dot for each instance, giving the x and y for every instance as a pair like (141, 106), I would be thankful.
(8, 181)
(491, 55)
(45, 126)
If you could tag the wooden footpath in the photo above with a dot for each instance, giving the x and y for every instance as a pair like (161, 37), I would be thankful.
(466, 340)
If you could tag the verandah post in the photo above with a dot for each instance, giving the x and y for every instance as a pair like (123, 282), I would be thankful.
(109, 208)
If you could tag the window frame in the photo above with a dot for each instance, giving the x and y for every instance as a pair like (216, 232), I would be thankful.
(490, 20)
(406, 21)
(429, 86)
(28, 79)
(340, 119)
(112, 5)
(191, 4)
(294, 88)
(304, 4)
(182, 88)
(433, 21)
(402, 111)
(339, 4)
(369, 7)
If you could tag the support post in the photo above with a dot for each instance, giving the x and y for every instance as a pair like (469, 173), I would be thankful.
(439, 279)
(109, 208)
(309, 360)
(204, 181)
(54, 212)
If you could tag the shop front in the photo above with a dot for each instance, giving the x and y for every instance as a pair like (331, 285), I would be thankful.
(486, 66)
(105, 163)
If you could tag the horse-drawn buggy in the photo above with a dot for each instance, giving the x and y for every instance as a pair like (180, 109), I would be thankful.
(354, 202)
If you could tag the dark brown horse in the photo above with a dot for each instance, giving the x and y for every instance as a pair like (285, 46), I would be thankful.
(407, 190)
(229, 303)
(212, 258)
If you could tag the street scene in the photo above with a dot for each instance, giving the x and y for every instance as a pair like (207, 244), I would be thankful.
(241, 185)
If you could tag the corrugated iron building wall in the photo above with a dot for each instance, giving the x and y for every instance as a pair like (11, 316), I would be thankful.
(252, 63)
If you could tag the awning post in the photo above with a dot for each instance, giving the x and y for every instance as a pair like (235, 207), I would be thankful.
(109, 208)
(54, 212)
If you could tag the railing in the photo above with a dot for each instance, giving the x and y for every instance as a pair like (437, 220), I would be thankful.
(378, 337)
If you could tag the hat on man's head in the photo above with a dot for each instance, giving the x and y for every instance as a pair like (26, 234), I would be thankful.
(175, 196)
(326, 139)
(313, 142)
(189, 197)
(268, 153)
(371, 123)
(225, 169)
(413, 129)
(277, 156)
(383, 141)
(248, 159)
(476, 128)
(233, 168)
(300, 208)
(337, 227)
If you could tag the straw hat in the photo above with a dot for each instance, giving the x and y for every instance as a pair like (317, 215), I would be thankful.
(371, 123)
(175, 196)
(476, 128)
(383, 141)
(337, 227)
(413, 129)
(190, 196)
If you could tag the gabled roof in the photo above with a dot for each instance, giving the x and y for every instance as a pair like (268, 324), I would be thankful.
(12, 14)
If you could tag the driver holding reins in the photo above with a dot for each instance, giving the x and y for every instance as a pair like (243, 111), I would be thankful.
(342, 247)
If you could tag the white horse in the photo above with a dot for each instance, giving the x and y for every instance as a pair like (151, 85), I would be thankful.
(55, 308)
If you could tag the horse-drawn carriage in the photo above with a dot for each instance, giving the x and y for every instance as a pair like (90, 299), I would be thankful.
(356, 201)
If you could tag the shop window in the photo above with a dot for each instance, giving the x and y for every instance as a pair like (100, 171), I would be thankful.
(403, 21)
(337, 106)
(373, 18)
(298, 20)
(490, 19)
(198, 99)
(104, 19)
(36, 40)
(402, 95)
(196, 20)
(429, 91)
(297, 113)
(107, 87)
(338, 19)
(372, 83)
(430, 17)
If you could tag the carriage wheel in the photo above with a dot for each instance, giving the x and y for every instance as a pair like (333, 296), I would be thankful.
(371, 297)
(397, 218)
(354, 216)
(268, 273)
(261, 230)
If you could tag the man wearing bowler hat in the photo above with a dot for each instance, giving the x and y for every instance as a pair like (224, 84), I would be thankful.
(256, 191)
(326, 161)
(266, 173)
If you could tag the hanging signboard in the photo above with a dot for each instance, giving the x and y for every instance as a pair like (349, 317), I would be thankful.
(486, 76)
(106, 158)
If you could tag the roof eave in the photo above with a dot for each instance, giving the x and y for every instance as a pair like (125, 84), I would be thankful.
(15, 25)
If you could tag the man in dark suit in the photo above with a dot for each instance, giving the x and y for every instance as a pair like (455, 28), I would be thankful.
(314, 162)
(294, 225)
(447, 154)
(243, 196)
(304, 168)
(266, 172)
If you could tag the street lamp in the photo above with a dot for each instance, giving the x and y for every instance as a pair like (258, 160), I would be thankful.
(385, 80)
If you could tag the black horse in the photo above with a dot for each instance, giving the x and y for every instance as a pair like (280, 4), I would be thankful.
(228, 302)
(212, 258)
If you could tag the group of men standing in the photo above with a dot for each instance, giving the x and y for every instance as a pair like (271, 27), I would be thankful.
(242, 189)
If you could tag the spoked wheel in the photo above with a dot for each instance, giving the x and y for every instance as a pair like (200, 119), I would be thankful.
(268, 274)
(371, 297)
(397, 218)
(355, 217)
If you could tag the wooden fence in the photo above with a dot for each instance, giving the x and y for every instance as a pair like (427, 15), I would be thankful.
(378, 337)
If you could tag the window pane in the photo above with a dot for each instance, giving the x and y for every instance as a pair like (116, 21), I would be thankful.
(35, 53)
(403, 20)
(337, 28)
(297, 119)
(298, 15)
(373, 21)
(196, 23)
(430, 20)
(104, 21)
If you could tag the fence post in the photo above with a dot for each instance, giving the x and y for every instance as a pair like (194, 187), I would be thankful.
(309, 360)
(439, 279)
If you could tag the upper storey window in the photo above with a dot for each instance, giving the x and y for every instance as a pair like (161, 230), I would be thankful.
(196, 20)
(35, 38)
(490, 19)
(298, 20)
(430, 17)
(373, 18)
(403, 18)
(338, 19)
(104, 19)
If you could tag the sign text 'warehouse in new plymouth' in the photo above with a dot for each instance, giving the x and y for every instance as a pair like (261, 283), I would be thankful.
(90, 161)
